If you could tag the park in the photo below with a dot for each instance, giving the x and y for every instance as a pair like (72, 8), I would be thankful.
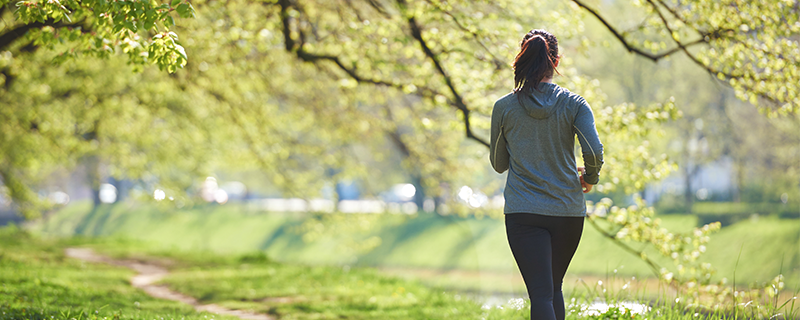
(335, 159)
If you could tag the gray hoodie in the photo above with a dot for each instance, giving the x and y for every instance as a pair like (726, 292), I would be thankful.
(535, 141)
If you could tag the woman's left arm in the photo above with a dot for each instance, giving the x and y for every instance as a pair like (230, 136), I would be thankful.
(591, 147)
(498, 152)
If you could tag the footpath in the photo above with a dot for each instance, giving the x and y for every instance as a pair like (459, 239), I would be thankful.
(147, 278)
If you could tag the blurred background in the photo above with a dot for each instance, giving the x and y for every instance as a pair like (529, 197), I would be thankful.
(344, 134)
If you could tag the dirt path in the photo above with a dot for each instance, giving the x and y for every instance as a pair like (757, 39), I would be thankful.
(149, 274)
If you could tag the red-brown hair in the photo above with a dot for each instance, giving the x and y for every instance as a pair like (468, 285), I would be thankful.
(536, 60)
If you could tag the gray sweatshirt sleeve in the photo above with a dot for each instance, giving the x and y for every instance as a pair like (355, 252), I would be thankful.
(591, 147)
(498, 153)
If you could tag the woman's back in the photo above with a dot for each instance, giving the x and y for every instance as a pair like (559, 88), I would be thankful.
(538, 132)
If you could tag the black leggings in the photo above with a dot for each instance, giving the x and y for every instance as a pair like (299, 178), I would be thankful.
(543, 247)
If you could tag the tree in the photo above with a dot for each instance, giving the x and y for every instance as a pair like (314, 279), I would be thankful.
(132, 126)
(311, 79)
(140, 29)
(451, 53)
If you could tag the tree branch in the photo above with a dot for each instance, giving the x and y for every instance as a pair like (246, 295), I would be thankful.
(8, 78)
(379, 7)
(293, 45)
(8, 38)
(681, 46)
(620, 36)
(4, 8)
(458, 101)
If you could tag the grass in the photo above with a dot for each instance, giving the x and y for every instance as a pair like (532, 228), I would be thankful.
(466, 254)
(38, 282)
(317, 292)
(768, 246)
(746, 208)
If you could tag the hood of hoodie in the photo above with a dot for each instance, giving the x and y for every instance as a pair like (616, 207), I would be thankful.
(540, 103)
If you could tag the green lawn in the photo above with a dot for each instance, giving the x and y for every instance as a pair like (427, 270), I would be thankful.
(39, 282)
(473, 252)
(318, 292)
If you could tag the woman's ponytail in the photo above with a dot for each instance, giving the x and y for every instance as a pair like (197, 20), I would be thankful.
(536, 60)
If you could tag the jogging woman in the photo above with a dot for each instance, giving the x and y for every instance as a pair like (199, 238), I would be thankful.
(533, 136)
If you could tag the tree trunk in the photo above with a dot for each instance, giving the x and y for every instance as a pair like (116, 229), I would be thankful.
(122, 188)
(688, 196)
(737, 191)
(93, 177)
(419, 196)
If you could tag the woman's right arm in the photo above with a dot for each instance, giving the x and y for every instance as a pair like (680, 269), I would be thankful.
(498, 152)
(591, 147)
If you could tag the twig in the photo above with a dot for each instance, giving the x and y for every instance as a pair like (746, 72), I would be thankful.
(495, 60)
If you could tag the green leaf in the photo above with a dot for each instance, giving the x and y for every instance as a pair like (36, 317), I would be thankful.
(130, 26)
(182, 10)
(175, 2)
(179, 49)
(185, 10)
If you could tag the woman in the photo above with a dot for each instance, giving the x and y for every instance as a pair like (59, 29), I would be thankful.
(533, 135)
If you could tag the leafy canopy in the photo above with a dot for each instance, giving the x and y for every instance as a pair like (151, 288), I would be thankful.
(140, 29)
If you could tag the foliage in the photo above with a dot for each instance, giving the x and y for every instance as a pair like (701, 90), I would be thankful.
(617, 296)
(425, 133)
(716, 131)
(140, 29)
(614, 313)
(431, 50)
(751, 46)
(137, 125)
(403, 48)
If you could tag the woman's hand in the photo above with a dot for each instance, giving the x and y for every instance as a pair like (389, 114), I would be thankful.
(586, 187)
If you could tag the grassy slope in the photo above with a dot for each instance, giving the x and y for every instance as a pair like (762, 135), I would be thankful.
(427, 241)
(39, 282)
(768, 246)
